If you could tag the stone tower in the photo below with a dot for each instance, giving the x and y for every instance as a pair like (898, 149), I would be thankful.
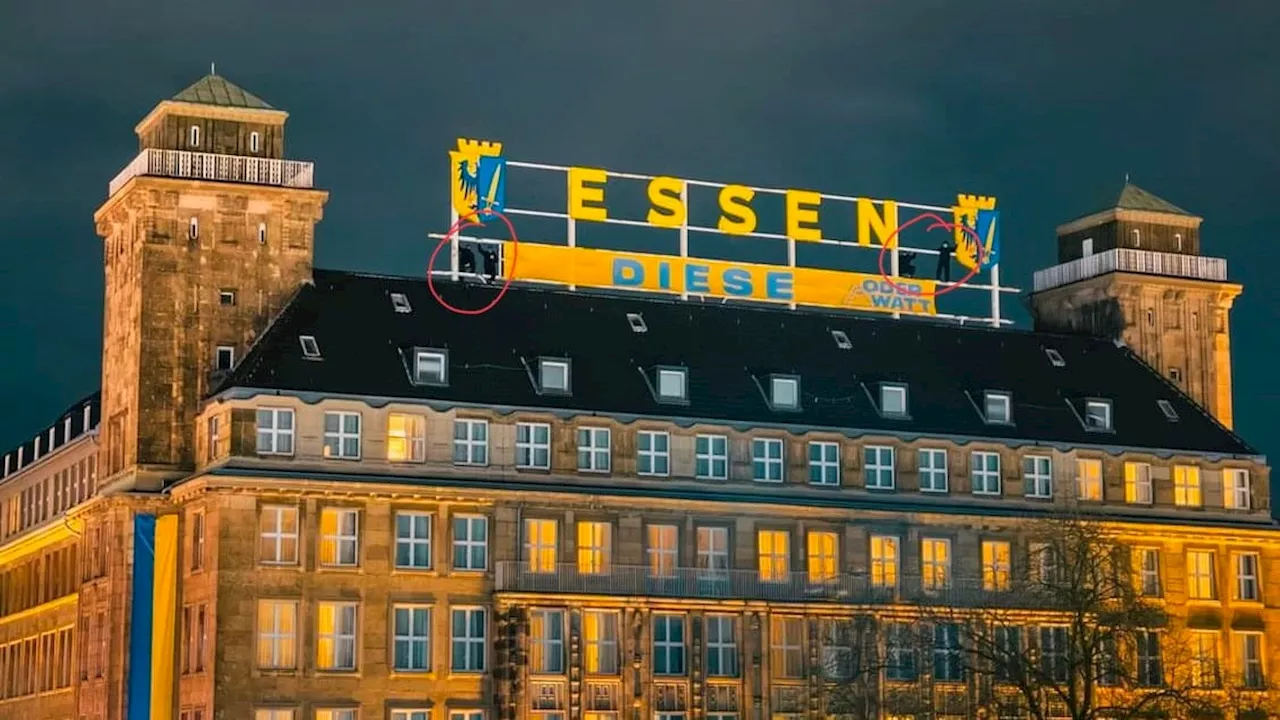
(1134, 272)
(207, 234)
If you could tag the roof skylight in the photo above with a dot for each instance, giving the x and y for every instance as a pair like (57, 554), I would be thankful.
(400, 302)
(310, 348)
(842, 339)
(1055, 357)
(636, 321)
(1166, 407)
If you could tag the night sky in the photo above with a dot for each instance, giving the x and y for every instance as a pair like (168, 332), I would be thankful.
(1046, 105)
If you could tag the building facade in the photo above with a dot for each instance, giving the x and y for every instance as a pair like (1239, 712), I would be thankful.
(318, 494)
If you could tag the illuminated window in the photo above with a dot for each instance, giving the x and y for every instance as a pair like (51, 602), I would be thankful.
(1037, 476)
(342, 435)
(277, 634)
(1249, 658)
(1200, 582)
(336, 714)
(339, 537)
(546, 642)
(406, 437)
(653, 453)
(1205, 664)
(1089, 479)
(274, 714)
(1137, 483)
(540, 545)
(711, 457)
(470, 542)
(824, 463)
(984, 473)
(933, 470)
(995, 565)
(593, 449)
(470, 442)
(879, 467)
(766, 460)
(1186, 485)
(662, 548)
(411, 650)
(786, 646)
(336, 636)
(600, 640)
(1236, 492)
(823, 556)
(533, 446)
(773, 555)
(413, 540)
(1150, 660)
(722, 646)
(784, 392)
(935, 563)
(468, 628)
(278, 536)
(884, 561)
(668, 644)
(594, 547)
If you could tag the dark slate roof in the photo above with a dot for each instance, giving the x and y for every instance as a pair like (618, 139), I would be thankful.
(60, 435)
(1133, 197)
(217, 90)
(365, 346)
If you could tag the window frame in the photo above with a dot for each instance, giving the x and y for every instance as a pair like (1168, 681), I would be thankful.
(423, 355)
(413, 433)
(278, 535)
(775, 381)
(1006, 401)
(282, 644)
(527, 449)
(932, 472)
(876, 468)
(337, 635)
(1233, 490)
(682, 373)
(469, 543)
(341, 435)
(591, 452)
(653, 456)
(710, 457)
(412, 541)
(545, 363)
(1108, 415)
(761, 459)
(986, 473)
(411, 639)
(1035, 483)
(275, 432)
(827, 468)
(471, 446)
(469, 642)
(888, 389)
(339, 539)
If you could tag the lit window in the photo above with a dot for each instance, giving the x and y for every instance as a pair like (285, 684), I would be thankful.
(339, 537)
(842, 339)
(413, 540)
(193, 228)
(277, 634)
(278, 535)
(1186, 485)
(400, 303)
(470, 542)
(1055, 357)
(711, 457)
(884, 561)
(1037, 476)
(663, 550)
(998, 407)
(1200, 584)
(784, 392)
(995, 565)
(595, 547)
(600, 642)
(553, 375)
(533, 446)
(337, 633)
(984, 473)
(329, 714)
(431, 367)
(406, 437)
(824, 463)
(342, 435)
(470, 442)
(468, 639)
(310, 348)
(226, 297)
(668, 644)
(1237, 494)
(225, 358)
(1137, 483)
(1249, 654)
(1097, 414)
(935, 563)
(193, 136)
(593, 450)
(722, 646)
(823, 556)
(773, 555)
(412, 641)
(255, 142)
(1247, 576)
(540, 545)
(546, 642)
(671, 384)
(893, 400)
(766, 460)
(653, 453)
(879, 464)
(1089, 479)
(933, 470)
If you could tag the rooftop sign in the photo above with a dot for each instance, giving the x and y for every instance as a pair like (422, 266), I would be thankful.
(479, 176)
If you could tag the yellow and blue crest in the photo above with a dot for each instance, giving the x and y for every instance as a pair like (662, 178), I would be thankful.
(478, 177)
(977, 213)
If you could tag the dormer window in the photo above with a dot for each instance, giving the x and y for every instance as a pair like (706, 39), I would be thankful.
(66, 429)
(784, 392)
(400, 302)
(310, 348)
(430, 367)
(553, 375)
(255, 142)
(672, 385)
(1055, 357)
(1166, 407)
(893, 400)
(1097, 415)
(52, 438)
(842, 339)
(997, 407)
(193, 136)
(637, 323)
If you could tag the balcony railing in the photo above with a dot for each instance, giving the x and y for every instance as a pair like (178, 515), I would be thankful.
(633, 580)
(1147, 262)
(208, 166)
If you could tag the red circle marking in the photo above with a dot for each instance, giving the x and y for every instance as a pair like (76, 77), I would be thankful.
(465, 221)
(937, 223)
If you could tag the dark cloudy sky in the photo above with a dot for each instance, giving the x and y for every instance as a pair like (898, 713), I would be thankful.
(1046, 104)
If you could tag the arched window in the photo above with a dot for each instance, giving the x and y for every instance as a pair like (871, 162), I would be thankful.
(255, 142)
(195, 136)
(193, 228)
(262, 233)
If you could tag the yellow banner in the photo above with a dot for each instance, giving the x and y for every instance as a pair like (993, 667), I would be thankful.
(717, 278)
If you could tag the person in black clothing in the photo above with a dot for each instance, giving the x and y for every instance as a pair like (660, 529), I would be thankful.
(490, 255)
(907, 265)
(944, 261)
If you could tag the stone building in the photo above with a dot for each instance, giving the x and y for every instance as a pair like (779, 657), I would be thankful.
(319, 494)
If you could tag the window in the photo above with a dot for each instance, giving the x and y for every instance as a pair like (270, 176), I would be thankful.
(784, 392)
(995, 566)
(1236, 494)
(193, 228)
(1247, 577)
(197, 540)
(1148, 572)
(713, 551)
(431, 367)
(1204, 660)
(600, 640)
(255, 142)
(462, 715)
(1200, 584)
(786, 648)
(193, 136)
(1249, 654)
(274, 714)
(985, 473)
(933, 470)
(1186, 485)
(339, 537)
(470, 542)
(1137, 483)
(653, 453)
(470, 442)
(215, 451)
(411, 646)
(533, 446)
(636, 321)
(722, 646)
(1055, 357)
(336, 714)
(823, 561)
(278, 538)
(766, 460)
(1151, 317)
(553, 376)
(935, 563)
(413, 540)
(594, 546)
(711, 457)
(842, 339)
(336, 642)
(1037, 476)
(884, 561)
(773, 555)
(663, 550)
(546, 642)
(467, 639)
(824, 463)
(668, 644)
(671, 384)
(1089, 479)
(593, 449)
(277, 634)
(1006, 651)
(946, 653)
(342, 435)
(224, 358)
(879, 464)
(1054, 648)
(1175, 374)
(893, 400)
(226, 297)
(262, 233)
(275, 431)
(406, 437)
(900, 652)
(837, 639)
(1097, 415)
(540, 545)
(998, 407)
(1150, 665)
(400, 303)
